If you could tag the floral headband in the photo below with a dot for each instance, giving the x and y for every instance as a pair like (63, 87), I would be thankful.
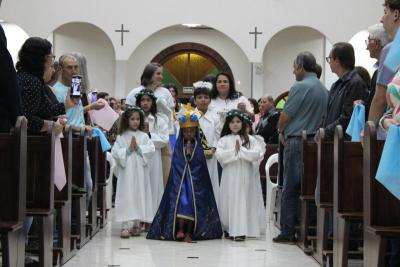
(248, 120)
(137, 109)
(201, 84)
(236, 113)
(146, 92)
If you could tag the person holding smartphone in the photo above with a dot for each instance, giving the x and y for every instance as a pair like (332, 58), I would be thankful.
(69, 67)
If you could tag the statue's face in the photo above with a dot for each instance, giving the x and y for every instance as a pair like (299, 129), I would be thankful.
(189, 134)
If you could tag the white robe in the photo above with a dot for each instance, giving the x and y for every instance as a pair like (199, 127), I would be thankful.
(218, 104)
(239, 200)
(165, 102)
(220, 107)
(133, 198)
(209, 125)
(160, 136)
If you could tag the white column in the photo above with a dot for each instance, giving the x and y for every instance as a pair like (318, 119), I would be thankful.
(257, 80)
(120, 79)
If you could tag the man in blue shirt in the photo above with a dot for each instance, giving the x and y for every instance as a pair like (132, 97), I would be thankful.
(304, 110)
(391, 24)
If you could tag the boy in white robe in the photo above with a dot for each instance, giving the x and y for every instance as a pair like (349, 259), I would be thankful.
(209, 125)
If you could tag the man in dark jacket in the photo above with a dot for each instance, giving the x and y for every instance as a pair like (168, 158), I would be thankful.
(10, 103)
(348, 88)
(268, 125)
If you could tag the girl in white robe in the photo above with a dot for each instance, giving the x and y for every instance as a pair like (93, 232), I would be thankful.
(238, 199)
(157, 125)
(132, 152)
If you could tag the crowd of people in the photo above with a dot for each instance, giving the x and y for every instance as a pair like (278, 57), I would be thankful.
(190, 172)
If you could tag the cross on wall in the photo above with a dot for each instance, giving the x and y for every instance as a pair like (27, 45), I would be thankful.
(255, 36)
(122, 31)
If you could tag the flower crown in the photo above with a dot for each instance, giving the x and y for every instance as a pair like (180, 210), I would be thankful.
(131, 108)
(145, 92)
(187, 117)
(248, 120)
(201, 84)
(237, 113)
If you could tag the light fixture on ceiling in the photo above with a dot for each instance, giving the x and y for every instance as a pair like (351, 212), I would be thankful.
(191, 25)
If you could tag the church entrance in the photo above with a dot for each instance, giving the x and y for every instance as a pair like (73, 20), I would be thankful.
(186, 63)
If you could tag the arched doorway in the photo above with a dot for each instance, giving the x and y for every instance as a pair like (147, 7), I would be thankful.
(16, 37)
(186, 63)
(95, 45)
(282, 49)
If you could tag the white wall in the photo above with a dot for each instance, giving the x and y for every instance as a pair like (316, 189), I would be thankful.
(281, 52)
(329, 77)
(362, 54)
(95, 46)
(16, 37)
(235, 19)
(149, 48)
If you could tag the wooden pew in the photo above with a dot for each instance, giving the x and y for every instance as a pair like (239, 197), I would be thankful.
(13, 194)
(93, 150)
(40, 191)
(308, 183)
(63, 204)
(80, 229)
(324, 197)
(381, 208)
(348, 194)
(101, 187)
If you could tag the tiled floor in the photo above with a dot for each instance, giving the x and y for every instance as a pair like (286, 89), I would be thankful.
(108, 249)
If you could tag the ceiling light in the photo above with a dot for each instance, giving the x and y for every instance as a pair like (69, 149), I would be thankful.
(191, 25)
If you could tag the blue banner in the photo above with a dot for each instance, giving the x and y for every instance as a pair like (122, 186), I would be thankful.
(388, 173)
(105, 145)
(392, 60)
(357, 123)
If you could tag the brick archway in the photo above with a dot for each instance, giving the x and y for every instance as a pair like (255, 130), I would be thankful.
(205, 51)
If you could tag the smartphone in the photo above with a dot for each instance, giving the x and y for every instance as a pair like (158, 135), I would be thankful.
(76, 86)
(94, 97)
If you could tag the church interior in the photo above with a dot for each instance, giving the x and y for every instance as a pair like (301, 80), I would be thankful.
(343, 215)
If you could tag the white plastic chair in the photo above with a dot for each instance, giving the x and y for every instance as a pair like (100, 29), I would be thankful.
(109, 186)
(272, 188)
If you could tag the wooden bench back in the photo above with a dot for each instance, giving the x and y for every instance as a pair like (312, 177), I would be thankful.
(13, 173)
(79, 145)
(309, 174)
(381, 208)
(66, 143)
(93, 150)
(40, 172)
(324, 169)
(102, 172)
(348, 174)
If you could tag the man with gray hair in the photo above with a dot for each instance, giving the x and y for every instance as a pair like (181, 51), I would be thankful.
(304, 110)
(377, 39)
(268, 125)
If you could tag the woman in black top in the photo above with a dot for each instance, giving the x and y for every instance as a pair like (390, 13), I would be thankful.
(34, 69)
